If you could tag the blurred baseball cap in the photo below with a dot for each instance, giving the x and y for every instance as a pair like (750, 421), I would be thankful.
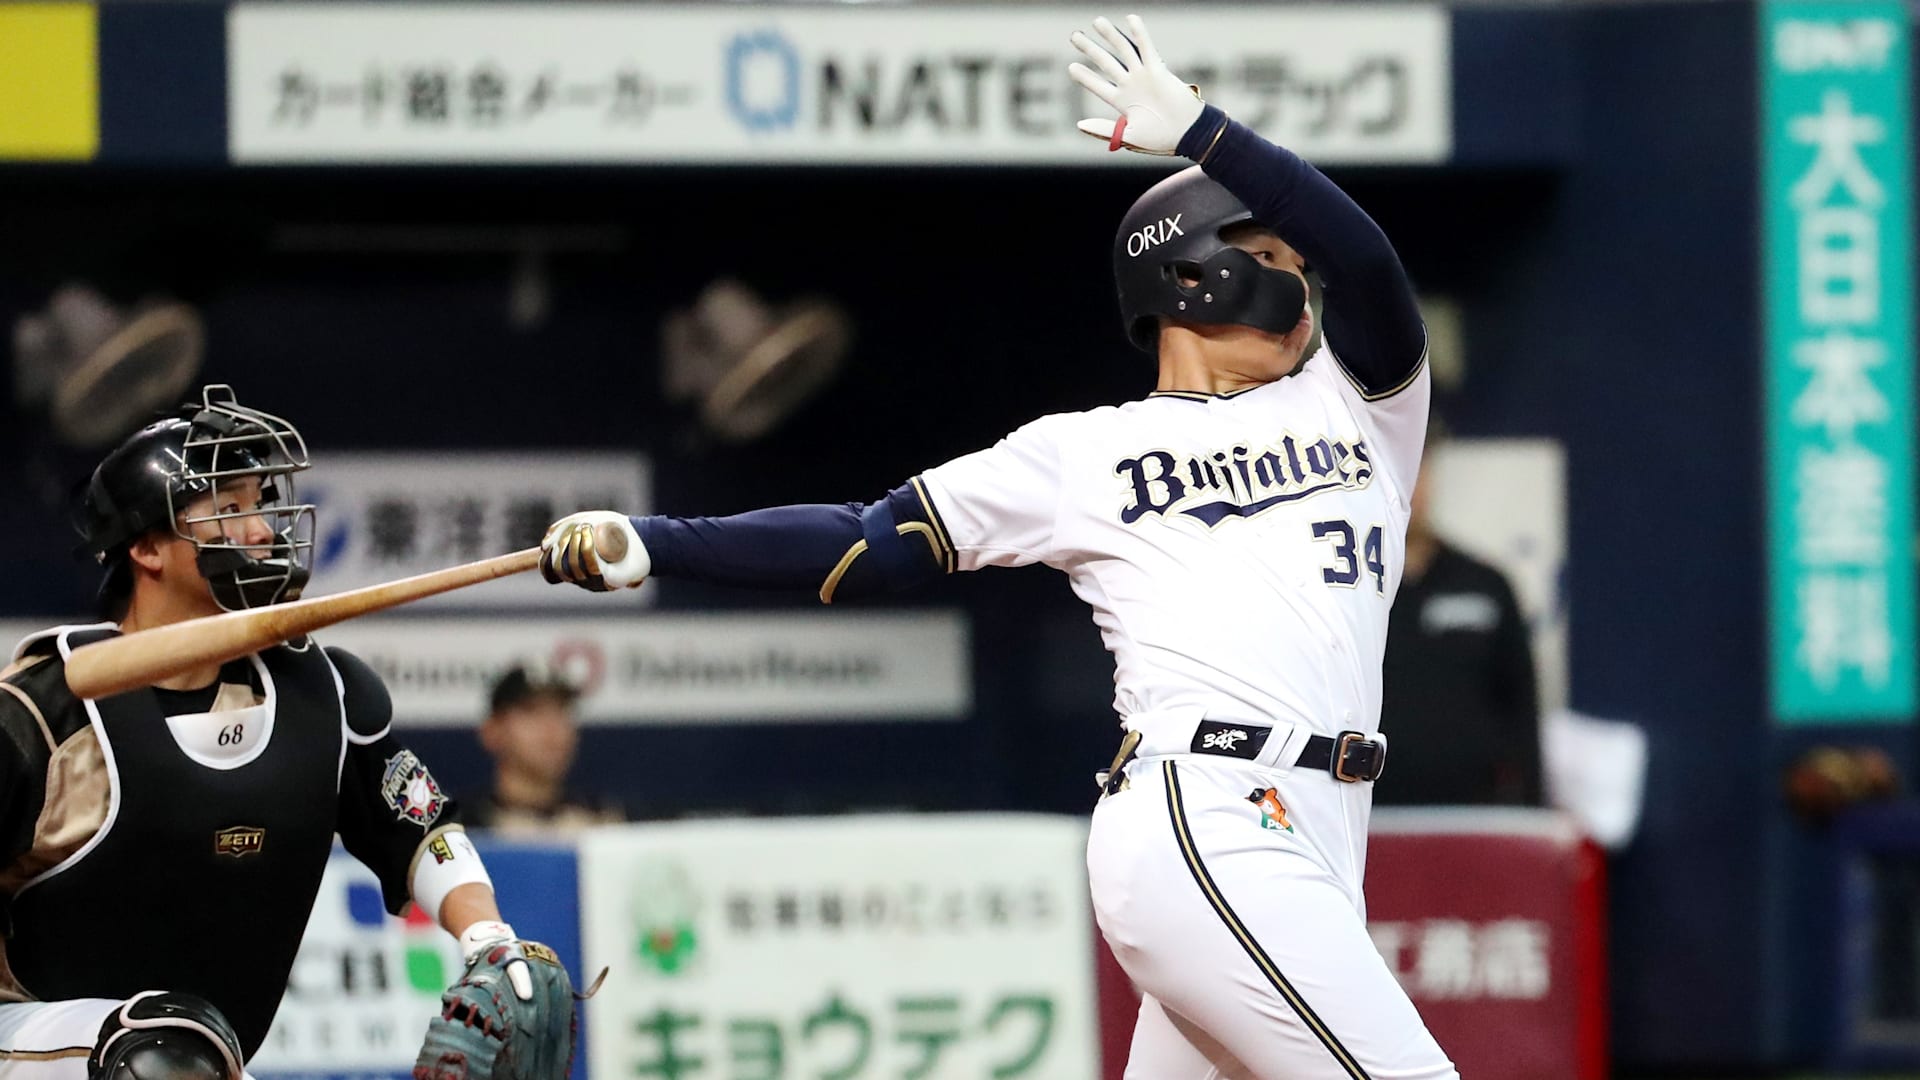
(523, 683)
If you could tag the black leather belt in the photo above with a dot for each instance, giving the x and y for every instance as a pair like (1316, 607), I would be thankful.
(1352, 757)
(1349, 757)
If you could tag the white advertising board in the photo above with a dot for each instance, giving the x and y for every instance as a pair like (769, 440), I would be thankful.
(382, 516)
(928, 946)
(829, 665)
(670, 668)
(912, 83)
(363, 987)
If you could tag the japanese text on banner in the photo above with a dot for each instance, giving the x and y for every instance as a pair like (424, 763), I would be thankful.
(1839, 388)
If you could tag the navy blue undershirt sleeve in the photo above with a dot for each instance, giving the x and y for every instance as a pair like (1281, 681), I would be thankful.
(1370, 315)
(777, 548)
(841, 550)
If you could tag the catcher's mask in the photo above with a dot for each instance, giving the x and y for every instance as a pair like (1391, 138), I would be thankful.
(212, 449)
(1169, 259)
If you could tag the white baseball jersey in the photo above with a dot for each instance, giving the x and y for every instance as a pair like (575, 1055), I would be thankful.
(1239, 551)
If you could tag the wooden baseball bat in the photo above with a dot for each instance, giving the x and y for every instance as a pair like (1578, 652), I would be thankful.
(144, 657)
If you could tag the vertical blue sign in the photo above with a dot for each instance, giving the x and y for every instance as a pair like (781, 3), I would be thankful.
(1839, 356)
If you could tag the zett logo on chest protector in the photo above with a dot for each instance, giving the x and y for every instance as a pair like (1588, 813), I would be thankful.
(239, 841)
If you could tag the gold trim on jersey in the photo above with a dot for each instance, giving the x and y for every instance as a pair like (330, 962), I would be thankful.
(1381, 395)
(943, 541)
(1177, 811)
(840, 568)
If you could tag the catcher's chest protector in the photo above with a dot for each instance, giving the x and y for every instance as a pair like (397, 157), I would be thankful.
(203, 878)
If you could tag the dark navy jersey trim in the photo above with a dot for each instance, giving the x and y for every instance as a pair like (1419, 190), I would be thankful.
(1201, 395)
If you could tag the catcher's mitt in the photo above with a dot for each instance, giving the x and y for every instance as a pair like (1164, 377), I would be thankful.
(510, 1017)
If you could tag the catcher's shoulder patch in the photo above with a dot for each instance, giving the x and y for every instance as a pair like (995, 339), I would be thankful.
(411, 791)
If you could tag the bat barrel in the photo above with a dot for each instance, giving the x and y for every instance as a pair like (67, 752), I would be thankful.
(145, 657)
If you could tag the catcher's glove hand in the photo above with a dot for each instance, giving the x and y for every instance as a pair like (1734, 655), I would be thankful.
(598, 550)
(510, 1017)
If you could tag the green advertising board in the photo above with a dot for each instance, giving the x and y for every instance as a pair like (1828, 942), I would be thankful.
(1839, 401)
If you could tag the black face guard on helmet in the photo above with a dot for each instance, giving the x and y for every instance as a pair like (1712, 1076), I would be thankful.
(158, 474)
(1168, 259)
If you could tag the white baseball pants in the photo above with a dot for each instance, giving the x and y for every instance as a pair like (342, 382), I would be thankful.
(1248, 939)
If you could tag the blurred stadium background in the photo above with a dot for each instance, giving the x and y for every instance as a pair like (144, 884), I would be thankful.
(503, 261)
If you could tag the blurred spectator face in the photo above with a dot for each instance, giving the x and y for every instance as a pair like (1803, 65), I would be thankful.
(536, 738)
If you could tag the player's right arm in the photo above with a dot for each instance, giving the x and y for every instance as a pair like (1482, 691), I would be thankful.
(990, 508)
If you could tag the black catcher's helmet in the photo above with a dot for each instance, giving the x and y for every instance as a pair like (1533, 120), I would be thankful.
(150, 480)
(1168, 259)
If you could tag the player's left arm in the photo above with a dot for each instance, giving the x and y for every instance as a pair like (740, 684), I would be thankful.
(837, 550)
(1369, 315)
(396, 819)
(1371, 321)
(510, 1014)
(993, 507)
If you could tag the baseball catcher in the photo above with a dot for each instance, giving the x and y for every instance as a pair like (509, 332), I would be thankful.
(228, 784)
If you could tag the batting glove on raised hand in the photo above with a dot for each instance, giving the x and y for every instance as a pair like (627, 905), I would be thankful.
(598, 550)
(1156, 106)
(510, 1017)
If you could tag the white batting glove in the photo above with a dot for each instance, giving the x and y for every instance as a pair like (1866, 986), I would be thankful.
(1156, 107)
(598, 550)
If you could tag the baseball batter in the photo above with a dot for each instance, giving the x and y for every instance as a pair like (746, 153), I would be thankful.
(160, 849)
(1238, 535)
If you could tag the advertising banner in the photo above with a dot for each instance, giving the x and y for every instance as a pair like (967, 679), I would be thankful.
(366, 983)
(763, 667)
(1492, 920)
(363, 988)
(1347, 83)
(680, 668)
(1837, 249)
(383, 516)
(931, 946)
(49, 82)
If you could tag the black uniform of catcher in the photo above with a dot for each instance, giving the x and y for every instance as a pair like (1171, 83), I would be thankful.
(163, 847)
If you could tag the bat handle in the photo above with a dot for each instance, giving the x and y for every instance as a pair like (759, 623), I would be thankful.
(610, 541)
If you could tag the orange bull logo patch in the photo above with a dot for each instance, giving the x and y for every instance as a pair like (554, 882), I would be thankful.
(1273, 813)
